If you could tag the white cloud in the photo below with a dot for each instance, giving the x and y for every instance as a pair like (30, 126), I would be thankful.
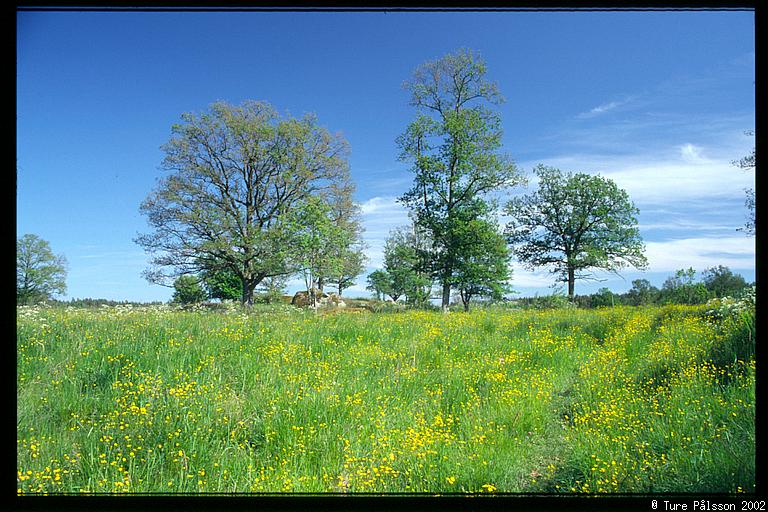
(692, 154)
(380, 215)
(685, 225)
(605, 107)
(736, 252)
(523, 278)
(380, 205)
(672, 177)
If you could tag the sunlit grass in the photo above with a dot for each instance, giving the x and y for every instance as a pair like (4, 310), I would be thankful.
(280, 400)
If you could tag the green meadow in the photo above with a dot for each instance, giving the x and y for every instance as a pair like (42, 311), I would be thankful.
(160, 400)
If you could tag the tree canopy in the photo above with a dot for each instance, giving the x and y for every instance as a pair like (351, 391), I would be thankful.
(403, 264)
(682, 288)
(235, 171)
(187, 290)
(453, 148)
(379, 284)
(574, 223)
(483, 266)
(40, 274)
(720, 281)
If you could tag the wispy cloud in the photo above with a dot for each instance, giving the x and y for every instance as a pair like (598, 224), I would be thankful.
(380, 215)
(524, 278)
(692, 154)
(380, 205)
(736, 252)
(605, 107)
(679, 173)
(685, 225)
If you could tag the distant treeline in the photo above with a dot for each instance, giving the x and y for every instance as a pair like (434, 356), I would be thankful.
(681, 288)
(95, 303)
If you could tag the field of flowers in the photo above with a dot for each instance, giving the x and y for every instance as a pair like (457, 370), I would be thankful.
(658, 399)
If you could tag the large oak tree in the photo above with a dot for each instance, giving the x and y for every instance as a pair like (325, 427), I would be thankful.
(575, 223)
(234, 173)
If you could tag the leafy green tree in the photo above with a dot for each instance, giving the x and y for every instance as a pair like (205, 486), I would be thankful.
(187, 290)
(721, 282)
(403, 265)
(604, 298)
(574, 223)
(40, 274)
(315, 238)
(682, 288)
(642, 293)
(349, 248)
(271, 289)
(453, 147)
(379, 283)
(235, 172)
(222, 284)
(352, 265)
(482, 268)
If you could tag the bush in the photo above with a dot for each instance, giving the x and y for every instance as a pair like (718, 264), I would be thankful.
(557, 300)
(736, 317)
(380, 306)
(187, 290)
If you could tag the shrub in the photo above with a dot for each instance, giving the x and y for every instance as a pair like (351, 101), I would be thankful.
(187, 290)
(736, 318)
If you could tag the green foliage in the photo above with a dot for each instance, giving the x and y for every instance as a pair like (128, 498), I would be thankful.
(40, 274)
(222, 284)
(271, 290)
(735, 316)
(379, 283)
(315, 240)
(604, 298)
(482, 267)
(90, 303)
(352, 265)
(187, 290)
(404, 265)
(349, 248)
(721, 282)
(574, 223)
(642, 293)
(235, 173)
(556, 300)
(453, 148)
(682, 289)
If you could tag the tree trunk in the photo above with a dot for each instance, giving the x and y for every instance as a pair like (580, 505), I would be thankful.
(571, 280)
(446, 296)
(247, 298)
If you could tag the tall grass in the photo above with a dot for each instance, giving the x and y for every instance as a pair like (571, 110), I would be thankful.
(279, 400)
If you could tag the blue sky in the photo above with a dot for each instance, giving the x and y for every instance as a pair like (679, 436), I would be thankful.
(657, 101)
